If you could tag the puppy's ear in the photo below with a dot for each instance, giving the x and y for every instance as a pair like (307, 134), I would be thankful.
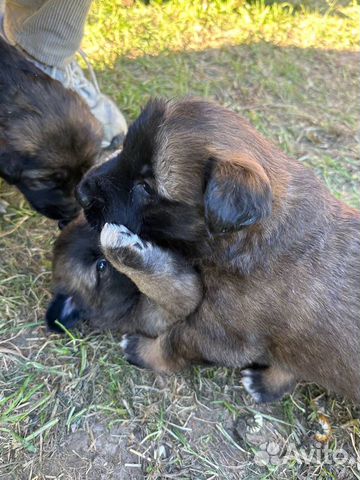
(237, 192)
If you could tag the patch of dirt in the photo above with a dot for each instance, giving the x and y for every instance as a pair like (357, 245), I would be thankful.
(96, 454)
(125, 452)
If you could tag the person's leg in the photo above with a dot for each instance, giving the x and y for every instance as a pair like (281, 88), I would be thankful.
(49, 32)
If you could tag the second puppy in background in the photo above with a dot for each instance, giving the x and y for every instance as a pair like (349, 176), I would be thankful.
(48, 136)
(87, 288)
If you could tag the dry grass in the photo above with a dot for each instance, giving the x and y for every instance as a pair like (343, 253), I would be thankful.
(71, 408)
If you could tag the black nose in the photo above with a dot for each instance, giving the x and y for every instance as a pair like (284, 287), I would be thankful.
(63, 310)
(85, 192)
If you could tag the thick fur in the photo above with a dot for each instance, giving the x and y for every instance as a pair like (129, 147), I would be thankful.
(278, 255)
(48, 136)
(107, 299)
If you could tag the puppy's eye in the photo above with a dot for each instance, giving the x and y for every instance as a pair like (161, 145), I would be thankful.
(62, 224)
(39, 183)
(101, 265)
(146, 187)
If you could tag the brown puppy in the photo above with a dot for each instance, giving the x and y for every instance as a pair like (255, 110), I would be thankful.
(278, 255)
(89, 289)
(48, 136)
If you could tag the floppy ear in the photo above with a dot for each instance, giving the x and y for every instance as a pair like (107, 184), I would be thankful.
(237, 192)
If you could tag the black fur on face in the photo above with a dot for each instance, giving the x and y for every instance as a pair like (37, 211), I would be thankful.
(124, 190)
(48, 136)
(87, 288)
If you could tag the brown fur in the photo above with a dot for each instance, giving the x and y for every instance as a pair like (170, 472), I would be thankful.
(48, 136)
(278, 255)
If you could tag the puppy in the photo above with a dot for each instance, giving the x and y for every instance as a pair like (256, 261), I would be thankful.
(87, 288)
(277, 254)
(48, 136)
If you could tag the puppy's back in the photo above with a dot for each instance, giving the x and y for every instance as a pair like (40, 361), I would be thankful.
(26, 86)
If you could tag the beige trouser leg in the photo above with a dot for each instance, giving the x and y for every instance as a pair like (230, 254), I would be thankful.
(48, 30)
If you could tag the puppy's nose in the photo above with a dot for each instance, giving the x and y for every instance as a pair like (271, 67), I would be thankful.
(85, 192)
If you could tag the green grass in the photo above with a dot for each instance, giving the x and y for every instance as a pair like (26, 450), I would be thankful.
(181, 25)
(292, 69)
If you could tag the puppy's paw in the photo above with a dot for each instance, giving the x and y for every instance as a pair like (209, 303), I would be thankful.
(119, 237)
(254, 381)
(123, 247)
(129, 345)
(145, 352)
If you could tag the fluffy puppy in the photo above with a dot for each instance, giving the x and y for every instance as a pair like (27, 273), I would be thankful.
(88, 289)
(277, 254)
(48, 136)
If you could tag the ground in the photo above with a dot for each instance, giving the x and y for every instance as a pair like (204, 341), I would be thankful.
(71, 407)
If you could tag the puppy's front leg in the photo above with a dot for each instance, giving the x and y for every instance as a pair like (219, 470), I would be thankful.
(160, 274)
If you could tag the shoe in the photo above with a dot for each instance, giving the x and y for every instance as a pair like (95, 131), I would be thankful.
(101, 106)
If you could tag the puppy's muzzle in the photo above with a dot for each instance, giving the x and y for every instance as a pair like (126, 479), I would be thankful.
(63, 310)
(91, 195)
(84, 192)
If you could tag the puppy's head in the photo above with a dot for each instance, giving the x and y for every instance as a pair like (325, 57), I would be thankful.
(48, 136)
(188, 169)
(87, 288)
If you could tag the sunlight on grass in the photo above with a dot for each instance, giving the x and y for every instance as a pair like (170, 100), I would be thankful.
(181, 25)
